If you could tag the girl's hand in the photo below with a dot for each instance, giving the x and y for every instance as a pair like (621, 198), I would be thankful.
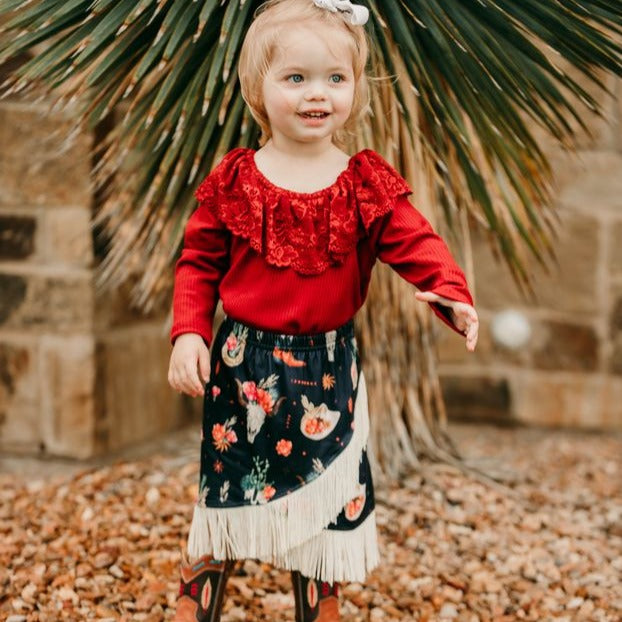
(463, 316)
(190, 357)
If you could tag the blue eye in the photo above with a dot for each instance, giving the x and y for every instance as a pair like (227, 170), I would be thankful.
(296, 78)
(337, 78)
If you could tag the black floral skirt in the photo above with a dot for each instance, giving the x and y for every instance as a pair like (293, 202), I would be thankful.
(285, 476)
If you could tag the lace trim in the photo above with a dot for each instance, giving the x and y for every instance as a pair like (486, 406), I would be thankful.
(305, 231)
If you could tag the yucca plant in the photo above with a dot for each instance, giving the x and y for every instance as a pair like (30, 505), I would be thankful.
(462, 80)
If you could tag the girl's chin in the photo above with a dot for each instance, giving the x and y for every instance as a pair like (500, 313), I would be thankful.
(307, 134)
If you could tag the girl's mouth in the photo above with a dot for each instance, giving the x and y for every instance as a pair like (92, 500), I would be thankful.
(313, 115)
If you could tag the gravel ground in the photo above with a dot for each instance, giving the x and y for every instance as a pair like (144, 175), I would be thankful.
(102, 541)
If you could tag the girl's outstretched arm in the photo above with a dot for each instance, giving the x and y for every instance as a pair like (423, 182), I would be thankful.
(406, 241)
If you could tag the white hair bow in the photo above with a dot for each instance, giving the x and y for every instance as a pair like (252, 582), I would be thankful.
(356, 14)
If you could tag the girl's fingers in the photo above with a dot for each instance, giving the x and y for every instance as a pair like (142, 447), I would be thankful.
(188, 388)
(172, 377)
(427, 296)
(174, 382)
(466, 312)
(471, 333)
(461, 319)
(183, 372)
(464, 315)
(180, 381)
(471, 336)
(192, 377)
(204, 366)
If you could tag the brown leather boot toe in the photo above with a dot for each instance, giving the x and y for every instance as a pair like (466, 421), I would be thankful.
(329, 610)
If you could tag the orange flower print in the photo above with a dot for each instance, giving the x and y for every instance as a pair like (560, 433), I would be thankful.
(268, 492)
(250, 390)
(265, 400)
(350, 404)
(354, 507)
(224, 435)
(218, 432)
(284, 447)
(315, 426)
(215, 391)
(218, 466)
(328, 381)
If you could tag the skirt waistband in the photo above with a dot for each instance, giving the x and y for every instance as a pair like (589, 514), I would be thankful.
(301, 342)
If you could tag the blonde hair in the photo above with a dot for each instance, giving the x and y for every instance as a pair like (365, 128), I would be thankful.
(258, 51)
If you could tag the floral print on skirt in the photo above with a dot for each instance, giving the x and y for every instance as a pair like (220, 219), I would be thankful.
(284, 473)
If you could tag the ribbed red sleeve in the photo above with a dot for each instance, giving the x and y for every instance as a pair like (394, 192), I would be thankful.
(408, 243)
(198, 272)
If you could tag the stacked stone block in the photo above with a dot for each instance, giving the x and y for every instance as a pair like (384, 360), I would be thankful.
(79, 373)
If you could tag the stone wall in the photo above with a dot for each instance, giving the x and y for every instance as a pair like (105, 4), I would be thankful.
(79, 374)
(570, 371)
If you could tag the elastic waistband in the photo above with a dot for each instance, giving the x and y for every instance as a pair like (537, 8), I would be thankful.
(300, 342)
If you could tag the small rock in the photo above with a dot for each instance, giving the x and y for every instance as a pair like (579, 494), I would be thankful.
(237, 613)
(67, 594)
(29, 592)
(146, 601)
(83, 570)
(448, 611)
(19, 604)
(574, 603)
(103, 560)
(115, 571)
(152, 497)
(278, 601)
(239, 583)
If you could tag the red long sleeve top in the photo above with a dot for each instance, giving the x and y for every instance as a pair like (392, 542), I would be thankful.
(300, 263)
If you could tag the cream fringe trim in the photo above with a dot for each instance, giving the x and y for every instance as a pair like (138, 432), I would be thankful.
(270, 532)
(336, 555)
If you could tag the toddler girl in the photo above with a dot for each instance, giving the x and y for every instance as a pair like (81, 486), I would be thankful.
(287, 236)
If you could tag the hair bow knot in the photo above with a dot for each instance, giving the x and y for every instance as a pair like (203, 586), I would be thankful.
(356, 14)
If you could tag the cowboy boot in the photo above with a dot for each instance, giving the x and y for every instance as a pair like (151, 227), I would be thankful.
(201, 589)
(316, 601)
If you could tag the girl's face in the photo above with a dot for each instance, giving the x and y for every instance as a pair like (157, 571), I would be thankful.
(309, 88)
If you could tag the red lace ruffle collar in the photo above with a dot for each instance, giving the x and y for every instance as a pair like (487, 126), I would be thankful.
(307, 232)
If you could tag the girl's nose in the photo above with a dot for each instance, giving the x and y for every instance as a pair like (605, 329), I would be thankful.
(315, 92)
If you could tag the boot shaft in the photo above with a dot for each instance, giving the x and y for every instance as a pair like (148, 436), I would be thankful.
(202, 589)
(316, 601)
